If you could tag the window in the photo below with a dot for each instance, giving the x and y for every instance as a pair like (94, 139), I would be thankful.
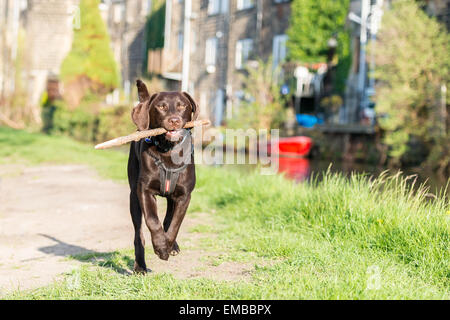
(23, 5)
(213, 7)
(224, 6)
(279, 49)
(180, 41)
(244, 4)
(146, 7)
(217, 6)
(118, 11)
(219, 103)
(210, 51)
(243, 51)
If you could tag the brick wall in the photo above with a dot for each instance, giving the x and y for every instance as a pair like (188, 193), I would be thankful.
(49, 30)
(126, 22)
(228, 27)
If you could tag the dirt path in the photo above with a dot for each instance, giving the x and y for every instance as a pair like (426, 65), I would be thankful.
(48, 213)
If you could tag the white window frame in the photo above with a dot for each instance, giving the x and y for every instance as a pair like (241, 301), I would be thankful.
(217, 6)
(224, 4)
(245, 4)
(244, 48)
(118, 13)
(211, 45)
(146, 7)
(213, 7)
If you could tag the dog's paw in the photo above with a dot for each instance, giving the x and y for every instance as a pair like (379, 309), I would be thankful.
(162, 254)
(140, 270)
(161, 246)
(175, 249)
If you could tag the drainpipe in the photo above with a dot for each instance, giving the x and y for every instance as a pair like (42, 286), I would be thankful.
(167, 25)
(259, 18)
(186, 45)
(365, 7)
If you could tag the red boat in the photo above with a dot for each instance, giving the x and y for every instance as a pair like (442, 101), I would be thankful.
(298, 146)
(294, 168)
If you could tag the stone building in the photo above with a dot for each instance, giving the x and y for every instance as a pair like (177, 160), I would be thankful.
(126, 21)
(42, 30)
(225, 36)
(9, 22)
(355, 106)
(47, 28)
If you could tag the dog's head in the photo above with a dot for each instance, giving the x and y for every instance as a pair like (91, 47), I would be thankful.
(168, 110)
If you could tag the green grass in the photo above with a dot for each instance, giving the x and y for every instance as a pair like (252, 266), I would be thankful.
(33, 148)
(339, 238)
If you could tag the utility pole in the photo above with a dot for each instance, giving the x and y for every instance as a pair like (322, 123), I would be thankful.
(186, 45)
(167, 25)
(376, 13)
(365, 8)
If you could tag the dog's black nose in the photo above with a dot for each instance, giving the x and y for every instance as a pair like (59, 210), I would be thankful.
(174, 121)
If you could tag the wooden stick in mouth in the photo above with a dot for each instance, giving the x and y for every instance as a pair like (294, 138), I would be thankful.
(138, 135)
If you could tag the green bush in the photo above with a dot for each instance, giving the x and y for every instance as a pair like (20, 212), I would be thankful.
(79, 123)
(412, 66)
(262, 107)
(312, 24)
(114, 122)
(85, 123)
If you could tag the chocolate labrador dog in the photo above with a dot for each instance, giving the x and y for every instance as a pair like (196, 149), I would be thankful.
(161, 166)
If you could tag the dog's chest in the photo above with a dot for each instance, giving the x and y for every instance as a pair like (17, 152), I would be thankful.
(165, 180)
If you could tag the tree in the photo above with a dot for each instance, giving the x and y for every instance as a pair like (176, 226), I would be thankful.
(412, 68)
(155, 25)
(312, 24)
(90, 66)
(155, 28)
(262, 106)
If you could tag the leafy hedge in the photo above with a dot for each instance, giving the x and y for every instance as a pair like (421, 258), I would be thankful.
(312, 24)
(86, 125)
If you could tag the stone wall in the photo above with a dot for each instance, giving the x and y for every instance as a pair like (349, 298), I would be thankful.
(126, 21)
(228, 27)
(49, 29)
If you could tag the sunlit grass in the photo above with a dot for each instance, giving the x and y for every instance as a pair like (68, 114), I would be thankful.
(18, 146)
(333, 238)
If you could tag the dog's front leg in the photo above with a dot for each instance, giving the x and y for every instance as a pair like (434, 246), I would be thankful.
(179, 211)
(150, 211)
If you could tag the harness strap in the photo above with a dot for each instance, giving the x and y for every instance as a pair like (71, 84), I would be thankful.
(167, 176)
(169, 179)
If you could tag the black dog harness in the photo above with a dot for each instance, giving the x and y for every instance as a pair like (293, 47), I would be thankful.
(167, 176)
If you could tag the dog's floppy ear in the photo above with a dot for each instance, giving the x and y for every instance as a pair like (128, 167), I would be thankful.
(195, 109)
(140, 114)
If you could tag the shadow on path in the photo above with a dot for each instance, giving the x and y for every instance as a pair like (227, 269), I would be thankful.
(119, 262)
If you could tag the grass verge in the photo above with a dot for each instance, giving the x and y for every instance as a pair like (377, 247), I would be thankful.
(18, 146)
(339, 238)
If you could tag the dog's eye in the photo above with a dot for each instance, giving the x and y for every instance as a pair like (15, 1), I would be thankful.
(181, 107)
(162, 107)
